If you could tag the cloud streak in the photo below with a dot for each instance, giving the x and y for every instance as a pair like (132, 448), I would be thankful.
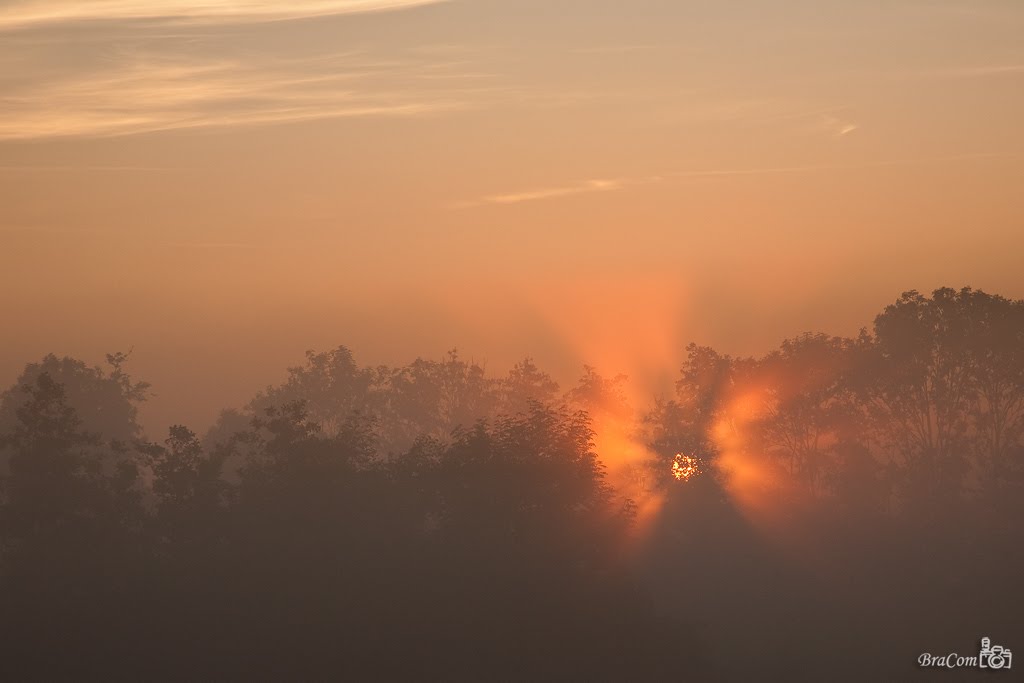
(594, 186)
(587, 187)
(41, 13)
(982, 71)
(838, 127)
(211, 245)
(137, 94)
(959, 72)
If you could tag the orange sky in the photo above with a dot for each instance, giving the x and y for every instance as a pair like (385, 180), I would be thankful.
(222, 184)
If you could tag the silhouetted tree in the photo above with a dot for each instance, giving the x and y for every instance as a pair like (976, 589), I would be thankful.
(600, 395)
(106, 401)
(71, 547)
(918, 384)
(431, 522)
(805, 404)
(525, 384)
(188, 485)
(62, 482)
(994, 347)
(330, 384)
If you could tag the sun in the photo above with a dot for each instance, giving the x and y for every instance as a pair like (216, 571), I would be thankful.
(685, 467)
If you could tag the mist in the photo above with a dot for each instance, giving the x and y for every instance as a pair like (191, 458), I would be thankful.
(765, 518)
(511, 340)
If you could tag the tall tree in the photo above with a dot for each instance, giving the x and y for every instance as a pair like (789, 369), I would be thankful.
(918, 384)
(106, 401)
(994, 347)
(805, 406)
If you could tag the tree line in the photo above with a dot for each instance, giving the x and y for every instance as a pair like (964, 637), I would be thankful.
(432, 522)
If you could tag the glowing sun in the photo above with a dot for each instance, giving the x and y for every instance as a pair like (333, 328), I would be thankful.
(685, 467)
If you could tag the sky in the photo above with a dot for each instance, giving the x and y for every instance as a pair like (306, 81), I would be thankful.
(220, 185)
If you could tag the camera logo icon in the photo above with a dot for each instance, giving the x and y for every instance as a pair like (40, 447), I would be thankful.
(994, 656)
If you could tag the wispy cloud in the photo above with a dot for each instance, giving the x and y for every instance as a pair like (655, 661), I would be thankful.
(953, 72)
(587, 187)
(211, 245)
(979, 71)
(36, 13)
(831, 120)
(50, 230)
(616, 49)
(838, 127)
(55, 168)
(817, 168)
(141, 93)
(593, 186)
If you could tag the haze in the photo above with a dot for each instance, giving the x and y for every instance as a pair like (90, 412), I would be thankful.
(220, 186)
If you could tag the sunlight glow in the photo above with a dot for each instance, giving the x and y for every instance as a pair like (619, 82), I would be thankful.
(685, 467)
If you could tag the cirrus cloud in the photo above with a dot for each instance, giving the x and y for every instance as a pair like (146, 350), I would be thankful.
(139, 93)
(37, 13)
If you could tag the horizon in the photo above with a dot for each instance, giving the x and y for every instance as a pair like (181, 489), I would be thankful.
(648, 376)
